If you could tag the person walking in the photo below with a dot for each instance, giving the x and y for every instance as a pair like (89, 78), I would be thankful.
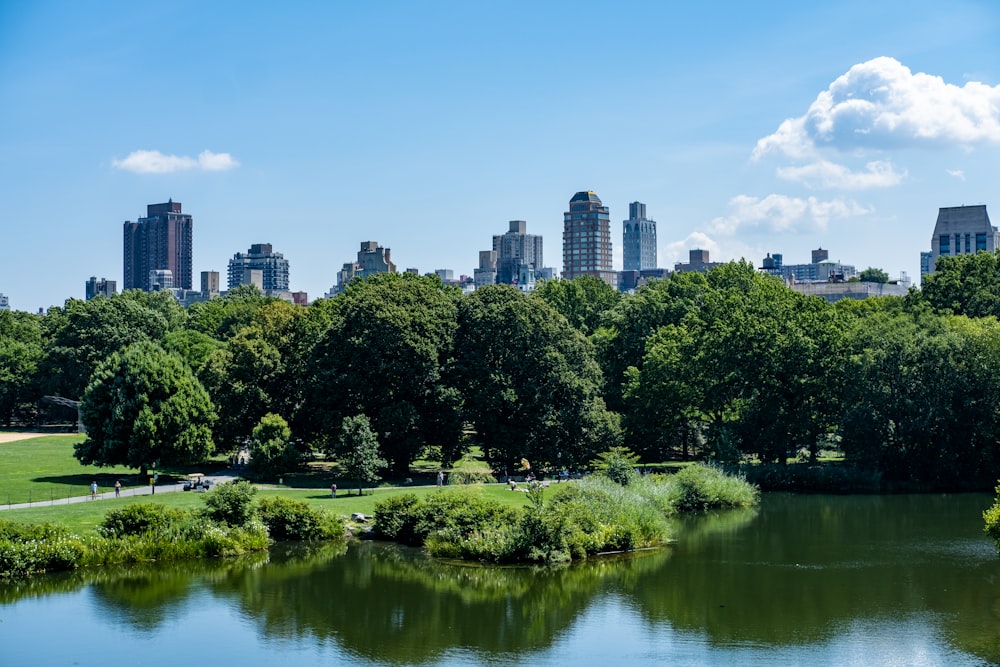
(333, 490)
(93, 490)
(118, 488)
(440, 477)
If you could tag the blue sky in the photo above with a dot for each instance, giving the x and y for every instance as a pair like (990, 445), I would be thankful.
(746, 128)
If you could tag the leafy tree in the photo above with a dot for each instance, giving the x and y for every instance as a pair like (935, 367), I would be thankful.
(192, 346)
(231, 503)
(873, 275)
(224, 316)
(530, 382)
(144, 406)
(383, 356)
(20, 354)
(617, 464)
(271, 447)
(582, 301)
(357, 451)
(82, 334)
(964, 284)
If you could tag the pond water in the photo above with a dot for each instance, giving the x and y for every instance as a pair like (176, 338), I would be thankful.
(803, 580)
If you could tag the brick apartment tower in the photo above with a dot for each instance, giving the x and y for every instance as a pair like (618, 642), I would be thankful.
(587, 239)
(161, 240)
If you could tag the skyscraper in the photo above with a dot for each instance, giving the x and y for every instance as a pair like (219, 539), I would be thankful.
(102, 287)
(261, 257)
(587, 239)
(160, 241)
(515, 249)
(638, 239)
(962, 230)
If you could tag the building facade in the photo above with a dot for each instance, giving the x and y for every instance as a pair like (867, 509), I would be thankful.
(960, 230)
(587, 239)
(163, 240)
(486, 272)
(261, 257)
(516, 249)
(698, 260)
(821, 269)
(4, 302)
(638, 239)
(100, 287)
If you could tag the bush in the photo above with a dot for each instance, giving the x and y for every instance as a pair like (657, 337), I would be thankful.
(289, 519)
(395, 518)
(992, 519)
(463, 477)
(231, 503)
(702, 487)
(27, 549)
(137, 519)
(617, 464)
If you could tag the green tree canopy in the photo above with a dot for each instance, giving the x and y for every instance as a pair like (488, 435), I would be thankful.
(144, 406)
(582, 301)
(964, 284)
(873, 275)
(357, 451)
(530, 381)
(271, 448)
(20, 353)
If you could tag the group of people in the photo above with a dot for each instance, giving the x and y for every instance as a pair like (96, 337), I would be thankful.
(93, 489)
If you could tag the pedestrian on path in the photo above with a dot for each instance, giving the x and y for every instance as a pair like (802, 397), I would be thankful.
(118, 488)
(333, 490)
(93, 490)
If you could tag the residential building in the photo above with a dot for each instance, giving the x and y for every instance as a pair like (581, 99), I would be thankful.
(486, 273)
(629, 281)
(210, 283)
(163, 240)
(821, 268)
(372, 259)
(100, 287)
(697, 261)
(161, 279)
(638, 239)
(960, 230)
(4, 302)
(587, 239)
(516, 249)
(300, 298)
(261, 257)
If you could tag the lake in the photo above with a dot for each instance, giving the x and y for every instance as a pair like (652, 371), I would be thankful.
(803, 580)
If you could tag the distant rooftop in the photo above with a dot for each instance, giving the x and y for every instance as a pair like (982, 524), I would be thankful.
(588, 195)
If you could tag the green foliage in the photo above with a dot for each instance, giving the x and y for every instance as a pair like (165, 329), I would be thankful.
(873, 275)
(358, 451)
(231, 503)
(964, 285)
(582, 301)
(26, 550)
(144, 406)
(396, 518)
(703, 487)
(992, 519)
(462, 477)
(288, 519)
(271, 447)
(20, 353)
(531, 384)
(617, 464)
(137, 519)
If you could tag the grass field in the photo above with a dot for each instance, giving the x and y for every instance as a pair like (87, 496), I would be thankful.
(43, 469)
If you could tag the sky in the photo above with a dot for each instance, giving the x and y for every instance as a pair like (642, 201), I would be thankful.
(745, 128)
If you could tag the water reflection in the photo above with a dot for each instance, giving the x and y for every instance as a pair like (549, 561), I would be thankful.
(799, 575)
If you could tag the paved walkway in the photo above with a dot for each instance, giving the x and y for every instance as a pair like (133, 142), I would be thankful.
(226, 475)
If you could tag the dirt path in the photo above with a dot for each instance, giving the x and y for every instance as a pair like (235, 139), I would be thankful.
(11, 437)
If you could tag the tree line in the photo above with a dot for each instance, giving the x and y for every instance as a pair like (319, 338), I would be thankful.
(729, 365)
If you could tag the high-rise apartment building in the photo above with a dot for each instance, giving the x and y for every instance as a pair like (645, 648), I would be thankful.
(486, 273)
(163, 240)
(261, 257)
(516, 249)
(638, 239)
(961, 230)
(100, 287)
(210, 283)
(4, 302)
(587, 239)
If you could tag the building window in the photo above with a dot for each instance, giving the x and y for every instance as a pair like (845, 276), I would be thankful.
(945, 244)
(980, 242)
(968, 245)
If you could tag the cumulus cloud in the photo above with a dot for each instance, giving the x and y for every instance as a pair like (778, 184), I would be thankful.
(781, 213)
(957, 173)
(155, 162)
(826, 174)
(677, 251)
(881, 103)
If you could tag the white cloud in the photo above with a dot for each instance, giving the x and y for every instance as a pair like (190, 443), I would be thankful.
(826, 174)
(677, 251)
(781, 213)
(155, 162)
(880, 104)
(957, 173)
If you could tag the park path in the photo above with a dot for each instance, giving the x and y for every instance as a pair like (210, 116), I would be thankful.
(226, 475)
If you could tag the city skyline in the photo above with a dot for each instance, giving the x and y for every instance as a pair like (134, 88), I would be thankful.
(744, 129)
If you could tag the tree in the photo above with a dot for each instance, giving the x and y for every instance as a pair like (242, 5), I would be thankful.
(582, 301)
(144, 406)
(383, 356)
(617, 464)
(964, 285)
(20, 354)
(530, 382)
(873, 275)
(271, 448)
(357, 451)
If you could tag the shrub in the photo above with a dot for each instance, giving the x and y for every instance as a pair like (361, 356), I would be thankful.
(395, 518)
(289, 519)
(617, 464)
(231, 503)
(992, 519)
(703, 487)
(137, 519)
(462, 477)
(28, 549)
